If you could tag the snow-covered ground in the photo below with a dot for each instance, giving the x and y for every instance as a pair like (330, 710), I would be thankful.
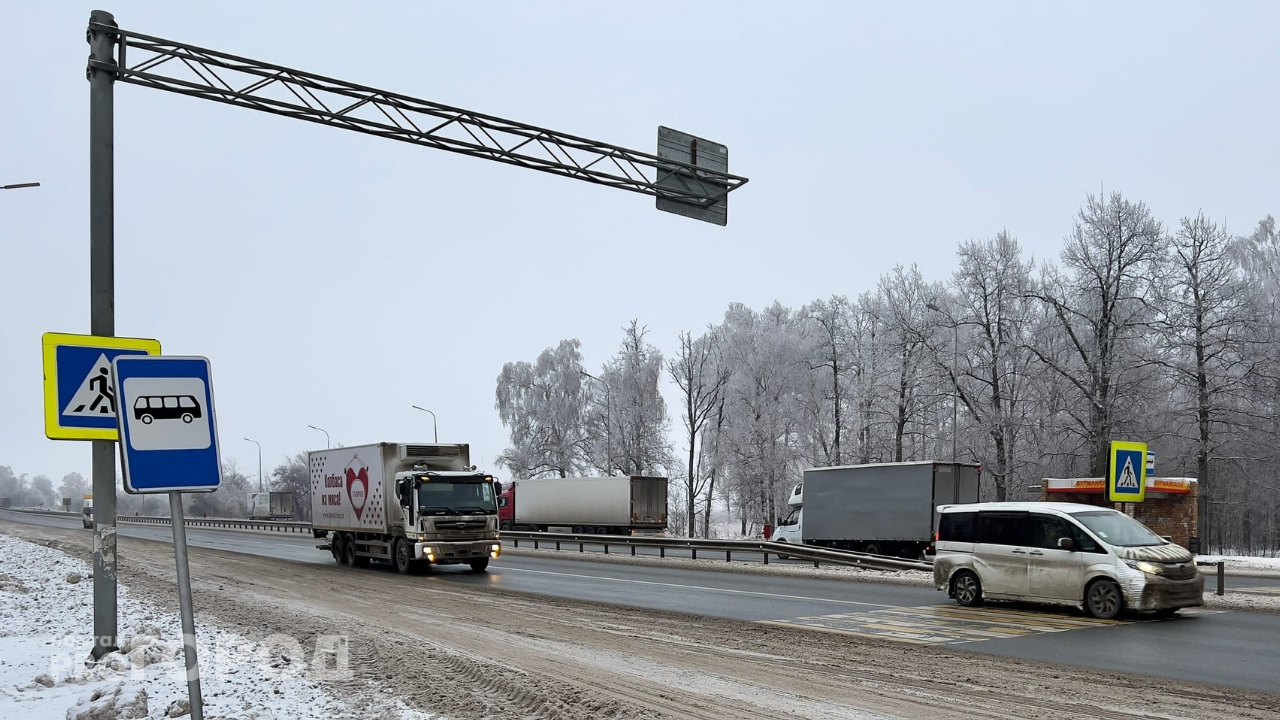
(46, 620)
(1243, 562)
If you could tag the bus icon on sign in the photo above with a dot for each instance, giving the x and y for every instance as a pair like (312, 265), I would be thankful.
(149, 408)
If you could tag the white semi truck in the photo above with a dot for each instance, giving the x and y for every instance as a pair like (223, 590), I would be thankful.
(411, 504)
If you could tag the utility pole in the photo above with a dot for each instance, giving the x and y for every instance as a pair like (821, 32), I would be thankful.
(102, 311)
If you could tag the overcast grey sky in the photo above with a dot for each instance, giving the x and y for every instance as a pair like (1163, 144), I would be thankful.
(334, 278)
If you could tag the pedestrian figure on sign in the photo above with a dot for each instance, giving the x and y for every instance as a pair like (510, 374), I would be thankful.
(102, 384)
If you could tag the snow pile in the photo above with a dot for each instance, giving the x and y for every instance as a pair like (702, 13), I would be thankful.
(46, 621)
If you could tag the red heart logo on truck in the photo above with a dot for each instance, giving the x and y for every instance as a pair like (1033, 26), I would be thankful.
(358, 489)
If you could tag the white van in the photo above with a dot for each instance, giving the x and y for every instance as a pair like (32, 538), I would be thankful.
(1094, 558)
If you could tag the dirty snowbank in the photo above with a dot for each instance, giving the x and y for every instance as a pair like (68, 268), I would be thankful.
(46, 620)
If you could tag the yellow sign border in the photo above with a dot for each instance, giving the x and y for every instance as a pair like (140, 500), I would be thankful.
(1113, 473)
(50, 342)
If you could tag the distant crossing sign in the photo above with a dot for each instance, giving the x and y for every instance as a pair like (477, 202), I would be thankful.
(79, 401)
(1127, 472)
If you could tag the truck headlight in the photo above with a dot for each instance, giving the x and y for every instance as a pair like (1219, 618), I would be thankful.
(1149, 568)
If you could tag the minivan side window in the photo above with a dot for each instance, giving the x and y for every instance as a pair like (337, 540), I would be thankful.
(1084, 543)
(1046, 530)
(957, 526)
(1004, 528)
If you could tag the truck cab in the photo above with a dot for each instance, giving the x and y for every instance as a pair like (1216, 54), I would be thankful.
(441, 507)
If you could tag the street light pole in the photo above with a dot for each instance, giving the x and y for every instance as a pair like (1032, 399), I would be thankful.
(255, 442)
(435, 434)
(955, 380)
(327, 445)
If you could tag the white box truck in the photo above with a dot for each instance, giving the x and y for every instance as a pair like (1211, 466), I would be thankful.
(410, 504)
(613, 505)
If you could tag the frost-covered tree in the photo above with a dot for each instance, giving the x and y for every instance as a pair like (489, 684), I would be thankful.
(292, 476)
(542, 404)
(902, 306)
(1101, 304)
(1204, 324)
(73, 486)
(699, 374)
(989, 303)
(627, 415)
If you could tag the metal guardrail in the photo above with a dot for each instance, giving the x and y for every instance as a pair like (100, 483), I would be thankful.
(817, 555)
(228, 523)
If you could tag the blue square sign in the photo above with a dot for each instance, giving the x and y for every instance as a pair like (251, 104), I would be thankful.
(168, 432)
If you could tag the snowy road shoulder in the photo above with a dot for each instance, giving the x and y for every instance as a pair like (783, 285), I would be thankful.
(46, 620)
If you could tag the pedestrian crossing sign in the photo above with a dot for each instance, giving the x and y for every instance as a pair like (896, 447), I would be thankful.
(1127, 472)
(79, 396)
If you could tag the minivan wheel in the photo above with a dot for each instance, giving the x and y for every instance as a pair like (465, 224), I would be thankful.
(966, 588)
(1104, 600)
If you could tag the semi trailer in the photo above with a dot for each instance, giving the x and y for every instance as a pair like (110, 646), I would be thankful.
(270, 506)
(612, 505)
(882, 509)
(413, 505)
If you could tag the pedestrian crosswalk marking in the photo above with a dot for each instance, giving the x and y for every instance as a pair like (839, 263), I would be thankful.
(95, 397)
(952, 624)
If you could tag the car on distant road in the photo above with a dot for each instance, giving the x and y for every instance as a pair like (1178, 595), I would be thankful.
(1095, 558)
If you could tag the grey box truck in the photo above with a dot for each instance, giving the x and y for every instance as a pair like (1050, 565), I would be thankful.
(882, 509)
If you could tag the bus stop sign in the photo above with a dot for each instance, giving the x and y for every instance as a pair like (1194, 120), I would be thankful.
(168, 433)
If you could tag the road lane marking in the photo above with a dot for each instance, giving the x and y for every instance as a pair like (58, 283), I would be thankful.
(697, 587)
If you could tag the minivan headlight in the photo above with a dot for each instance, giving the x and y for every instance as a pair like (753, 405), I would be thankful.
(1149, 568)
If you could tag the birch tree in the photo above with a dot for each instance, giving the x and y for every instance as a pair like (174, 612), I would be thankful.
(542, 404)
(634, 435)
(700, 376)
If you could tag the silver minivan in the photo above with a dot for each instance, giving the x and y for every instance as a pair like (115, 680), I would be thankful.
(1098, 559)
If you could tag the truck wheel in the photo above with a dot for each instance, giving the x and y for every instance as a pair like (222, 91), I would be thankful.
(335, 547)
(505, 525)
(871, 549)
(966, 588)
(480, 565)
(403, 557)
(780, 555)
(1104, 600)
(349, 554)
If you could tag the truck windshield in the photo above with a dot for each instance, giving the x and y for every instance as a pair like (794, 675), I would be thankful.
(462, 498)
(1118, 529)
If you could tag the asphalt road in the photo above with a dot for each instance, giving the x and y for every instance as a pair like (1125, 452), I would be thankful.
(1233, 649)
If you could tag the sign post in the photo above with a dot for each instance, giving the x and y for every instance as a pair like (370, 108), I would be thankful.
(169, 444)
(79, 404)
